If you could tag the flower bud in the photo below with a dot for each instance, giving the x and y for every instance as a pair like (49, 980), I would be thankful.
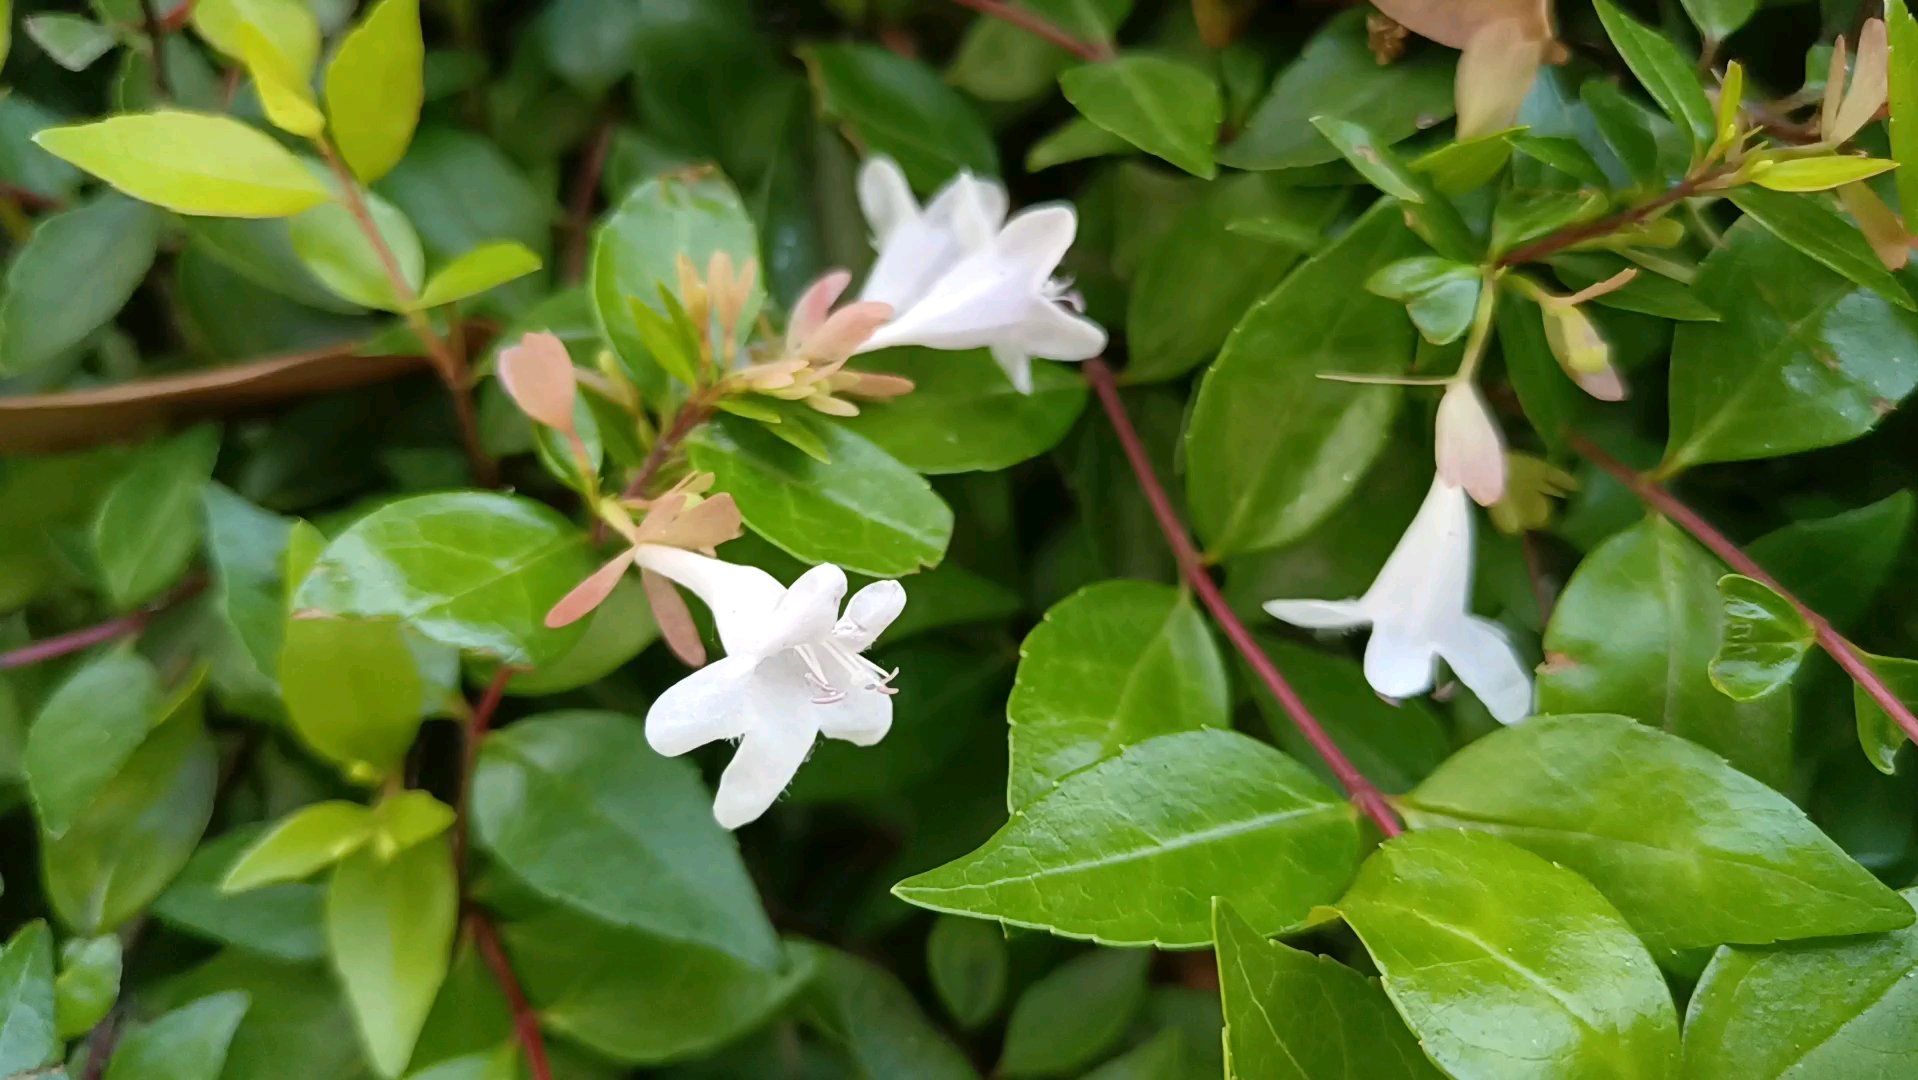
(1470, 450)
(1581, 350)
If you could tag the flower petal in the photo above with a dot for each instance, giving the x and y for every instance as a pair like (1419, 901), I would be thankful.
(885, 197)
(538, 375)
(809, 314)
(1038, 238)
(1479, 653)
(708, 705)
(862, 718)
(1016, 363)
(1496, 70)
(590, 593)
(968, 195)
(674, 619)
(742, 598)
(1427, 579)
(868, 613)
(770, 753)
(1319, 614)
(1398, 666)
(806, 614)
(1051, 331)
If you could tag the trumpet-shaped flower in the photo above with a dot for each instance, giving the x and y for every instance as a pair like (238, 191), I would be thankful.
(1417, 609)
(794, 670)
(958, 280)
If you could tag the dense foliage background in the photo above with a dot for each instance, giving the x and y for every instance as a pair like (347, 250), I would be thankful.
(339, 347)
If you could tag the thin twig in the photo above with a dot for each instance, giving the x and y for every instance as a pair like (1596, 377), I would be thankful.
(525, 1020)
(1033, 24)
(477, 726)
(132, 623)
(1848, 655)
(1362, 791)
(156, 34)
(1535, 569)
(690, 416)
(1553, 243)
(579, 216)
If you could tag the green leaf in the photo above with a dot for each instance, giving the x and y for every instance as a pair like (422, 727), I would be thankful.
(640, 999)
(87, 729)
(330, 243)
(1664, 73)
(963, 414)
(1109, 667)
(301, 844)
(1290, 1015)
(403, 819)
(1430, 214)
(619, 629)
(1818, 174)
(1839, 1008)
(1272, 448)
(244, 545)
(1395, 744)
(354, 691)
(1565, 154)
(191, 163)
(1692, 852)
(1440, 295)
(1338, 76)
(1655, 579)
(1803, 358)
(864, 511)
(289, 26)
(88, 984)
(1163, 1057)
(1903, 99)
(900, 108)
(296, 1029)
(1179, 310)
(867, 1012)
(189, 1043)
(478, 270)
(1523, 216)
(1505, 965)
(580, 808)
(1647, 293)
(284, 90)
(967, 962)
(73, 41)
(124, 848)
(1817, 230)
(1836, 565)
(1716, 19)
(74, 274)
(281, 921)
(475, 570)
(461, 191)
(1073, 1016)
(1130, 851)
(27, 1035)
(1075, 140)
(1459, 167)
(261, 251)
(1765, 638)
(1168, 109)
(1878, 733)
(389, 928)
(1631, 131)
(147, 528)
(375, 86)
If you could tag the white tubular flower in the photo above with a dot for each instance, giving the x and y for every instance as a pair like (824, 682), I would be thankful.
(1418, 611)
(793, 671)
(917, 246)
(1470, 450)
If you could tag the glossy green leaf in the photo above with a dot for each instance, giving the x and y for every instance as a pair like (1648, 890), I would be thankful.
(1806, 223)
(148, 526)
(389, 928)
(73, 41)
(189, 1043)
(875, 1020)
(1818, 174)
(1337, 76)
(1648, 293)
(1461, 166)
(301, 844)
(865, 511)
(88, 983)
(581, 809)
(1430, 214)
(1664, 73)
(1395, 744)
(1878, 733)
(1656, 579)
(297, 1027)
(1130, 851)
(1765, 638)
(191, 163)
(1903, 99)
(1272, 448)
(261, 251)
(1836, 565)
(1803, 358)
(967, 962)
(1692, 852)
(1168, 109)
(475, 570)
(963, 414)
(1291, 1015)
(1067, 1020)
(74, 274)
(244, 544)
(461, 191)
(476, 271)
(332, 245)
(900, 108)
(1075, 140)
(354, 691)
(402, 819)
(1840, 1008)
(1506, 966)
(27, 1035)
(87, 729)
(617, 630)
(280, 921)
(1109, 667)
(374, 88)
(1441, 296)
(1716, 19)
(1565, 154)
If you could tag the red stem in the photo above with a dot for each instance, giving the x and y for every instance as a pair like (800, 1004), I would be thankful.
(54, 647)
(579, 218)
(1362, 791)
(1033, 24)
(476, 730)
(1841, 649)
(525, 1020)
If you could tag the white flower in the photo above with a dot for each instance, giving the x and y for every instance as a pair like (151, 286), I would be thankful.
(1418, 610)
(793, 671)
(958, 280)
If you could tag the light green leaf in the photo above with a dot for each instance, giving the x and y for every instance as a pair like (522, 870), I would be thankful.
(474, 570)
(282, 921)
(403, 819)
(329, 241)
(148, 526)
(284, 90)
(73, 41)
(1878, 733)
(1130, 851)
(244, 544)
(1765, 638)
(1075, 140)
(375, 86)
(1291, 1015)
(1166, 108)
(900, 108)
(864, 511)
(88, 984)
(296, 1029)
(1109, 667)
(1430, 214)
(865, 1009)
(1818, 174)
(1716, 19)
(1507, 966)
(963, 414)
(1440, 295)
(1665, 74)
(354, 691)
(27, 1034)
(1903, 98)
(1459, 167)
(189, 1043)
(261, 251)
(389, 928)
(967, 962)
(1272, 448)
(1817, 230)
(288, 25)
(301, 844)
(476, 271)
(1657, 580)
(580, 808)
(1069, 1019)
(1840, 1008)
(87, 729)
(1692, 852)
(192, 163)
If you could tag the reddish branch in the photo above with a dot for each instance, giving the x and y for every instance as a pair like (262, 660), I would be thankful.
(579, 217)
(476, 729)
(691, 415)
(1363, 792)
(525, 1020)
(1033, 24)
(125, 625)
(1553, 243)
(1841, 649)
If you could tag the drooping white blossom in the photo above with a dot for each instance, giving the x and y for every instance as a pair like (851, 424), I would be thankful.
(1419, 611)
(958, 279)
(794, 670)
(1469, 447)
